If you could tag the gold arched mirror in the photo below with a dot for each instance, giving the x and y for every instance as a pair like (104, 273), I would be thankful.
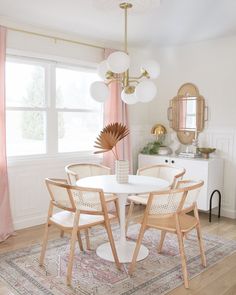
(187, 113)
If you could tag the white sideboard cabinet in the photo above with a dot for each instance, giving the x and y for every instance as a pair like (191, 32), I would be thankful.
(210, 170)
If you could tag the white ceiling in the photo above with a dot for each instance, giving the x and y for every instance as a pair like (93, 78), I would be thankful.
(173, 22)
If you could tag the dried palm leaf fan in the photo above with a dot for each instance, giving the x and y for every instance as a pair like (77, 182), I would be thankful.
(109, 137)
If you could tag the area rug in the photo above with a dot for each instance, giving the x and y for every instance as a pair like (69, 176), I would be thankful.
(157, 274)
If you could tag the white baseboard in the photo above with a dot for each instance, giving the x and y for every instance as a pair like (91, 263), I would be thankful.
(225, 212)
(29, 222)
(228, 213)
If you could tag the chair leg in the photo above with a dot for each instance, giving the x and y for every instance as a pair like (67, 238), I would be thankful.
(71, 256)
(62, 233)
(200, 240)
(80, 241)
(182, 253)
(116, 202)
(87, 239)
(44, 245)
(137, 248)
(112, 243)
(163, 234)
(131, 207)
(45, 237)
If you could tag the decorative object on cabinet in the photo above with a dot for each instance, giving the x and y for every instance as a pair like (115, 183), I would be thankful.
(159, 131)
(107, 141)
(157, 147)
(210, 170)
(206, 151)
(151, 148)
(164, 150)
(187, 114)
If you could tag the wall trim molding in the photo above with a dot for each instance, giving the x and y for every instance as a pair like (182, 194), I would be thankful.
(228, 213)
(30, 222)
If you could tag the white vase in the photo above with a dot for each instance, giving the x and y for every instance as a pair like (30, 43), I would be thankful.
(122, 171)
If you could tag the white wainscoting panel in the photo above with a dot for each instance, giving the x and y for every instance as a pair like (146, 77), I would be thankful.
(28, 194)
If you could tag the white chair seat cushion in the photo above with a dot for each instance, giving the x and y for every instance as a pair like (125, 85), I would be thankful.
(66, 219)
(139, 199)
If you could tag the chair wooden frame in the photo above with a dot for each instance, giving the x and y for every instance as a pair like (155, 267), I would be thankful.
(178, 222)
(76, 214)
(140, 200)
(108, 198)
(69, 171)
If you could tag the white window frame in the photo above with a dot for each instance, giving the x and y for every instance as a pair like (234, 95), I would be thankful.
(51, 131)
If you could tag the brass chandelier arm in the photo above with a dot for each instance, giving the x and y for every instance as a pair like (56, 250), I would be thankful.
(133, 80)
(144, 74)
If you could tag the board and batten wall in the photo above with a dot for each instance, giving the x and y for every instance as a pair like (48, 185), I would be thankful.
(211, 66)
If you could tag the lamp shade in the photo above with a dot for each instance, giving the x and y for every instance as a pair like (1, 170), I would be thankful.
(128, 98)
(103, 69)
(152, 67)
(145, 91)
(118, 62)
(99, 91)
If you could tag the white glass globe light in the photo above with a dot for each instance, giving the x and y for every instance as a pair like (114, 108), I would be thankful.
(145, 91)
(103, 69)
(99, 91)
(128, 98)
(152, 67)
(118, 62)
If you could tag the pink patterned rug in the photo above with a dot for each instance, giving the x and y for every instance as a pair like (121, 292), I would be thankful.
(157, 274)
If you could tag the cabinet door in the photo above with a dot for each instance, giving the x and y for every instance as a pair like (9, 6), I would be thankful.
(198, 170)
(148, 160)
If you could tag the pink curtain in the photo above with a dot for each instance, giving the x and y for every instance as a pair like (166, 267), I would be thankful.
(115, 110)
(6, 227)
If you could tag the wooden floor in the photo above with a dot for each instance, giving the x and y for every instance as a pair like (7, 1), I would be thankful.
(218, 280)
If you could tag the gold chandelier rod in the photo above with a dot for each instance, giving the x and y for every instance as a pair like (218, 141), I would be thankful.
(55, 38)
(126, 6)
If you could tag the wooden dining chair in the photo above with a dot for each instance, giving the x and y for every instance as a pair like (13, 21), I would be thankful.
(80, 210)
(77, 171)
(167, 172)
(167, 211)
(81, 170)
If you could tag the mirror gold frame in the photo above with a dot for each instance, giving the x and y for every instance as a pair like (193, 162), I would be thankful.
(187, 125)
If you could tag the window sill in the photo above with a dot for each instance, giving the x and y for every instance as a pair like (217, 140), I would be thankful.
(86, 156)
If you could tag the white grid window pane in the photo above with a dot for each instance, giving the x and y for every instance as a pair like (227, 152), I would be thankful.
(72, 89)
(77, 131)
(25, 132)
(25, 85)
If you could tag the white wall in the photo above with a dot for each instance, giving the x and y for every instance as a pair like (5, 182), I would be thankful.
(211, 65)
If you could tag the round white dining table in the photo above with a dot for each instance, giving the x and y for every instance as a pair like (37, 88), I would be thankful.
(137, 184)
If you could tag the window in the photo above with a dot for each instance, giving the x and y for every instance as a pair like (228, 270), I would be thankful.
(49, 108)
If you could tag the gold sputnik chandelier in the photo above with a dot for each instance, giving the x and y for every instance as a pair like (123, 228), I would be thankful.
(116, 69)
